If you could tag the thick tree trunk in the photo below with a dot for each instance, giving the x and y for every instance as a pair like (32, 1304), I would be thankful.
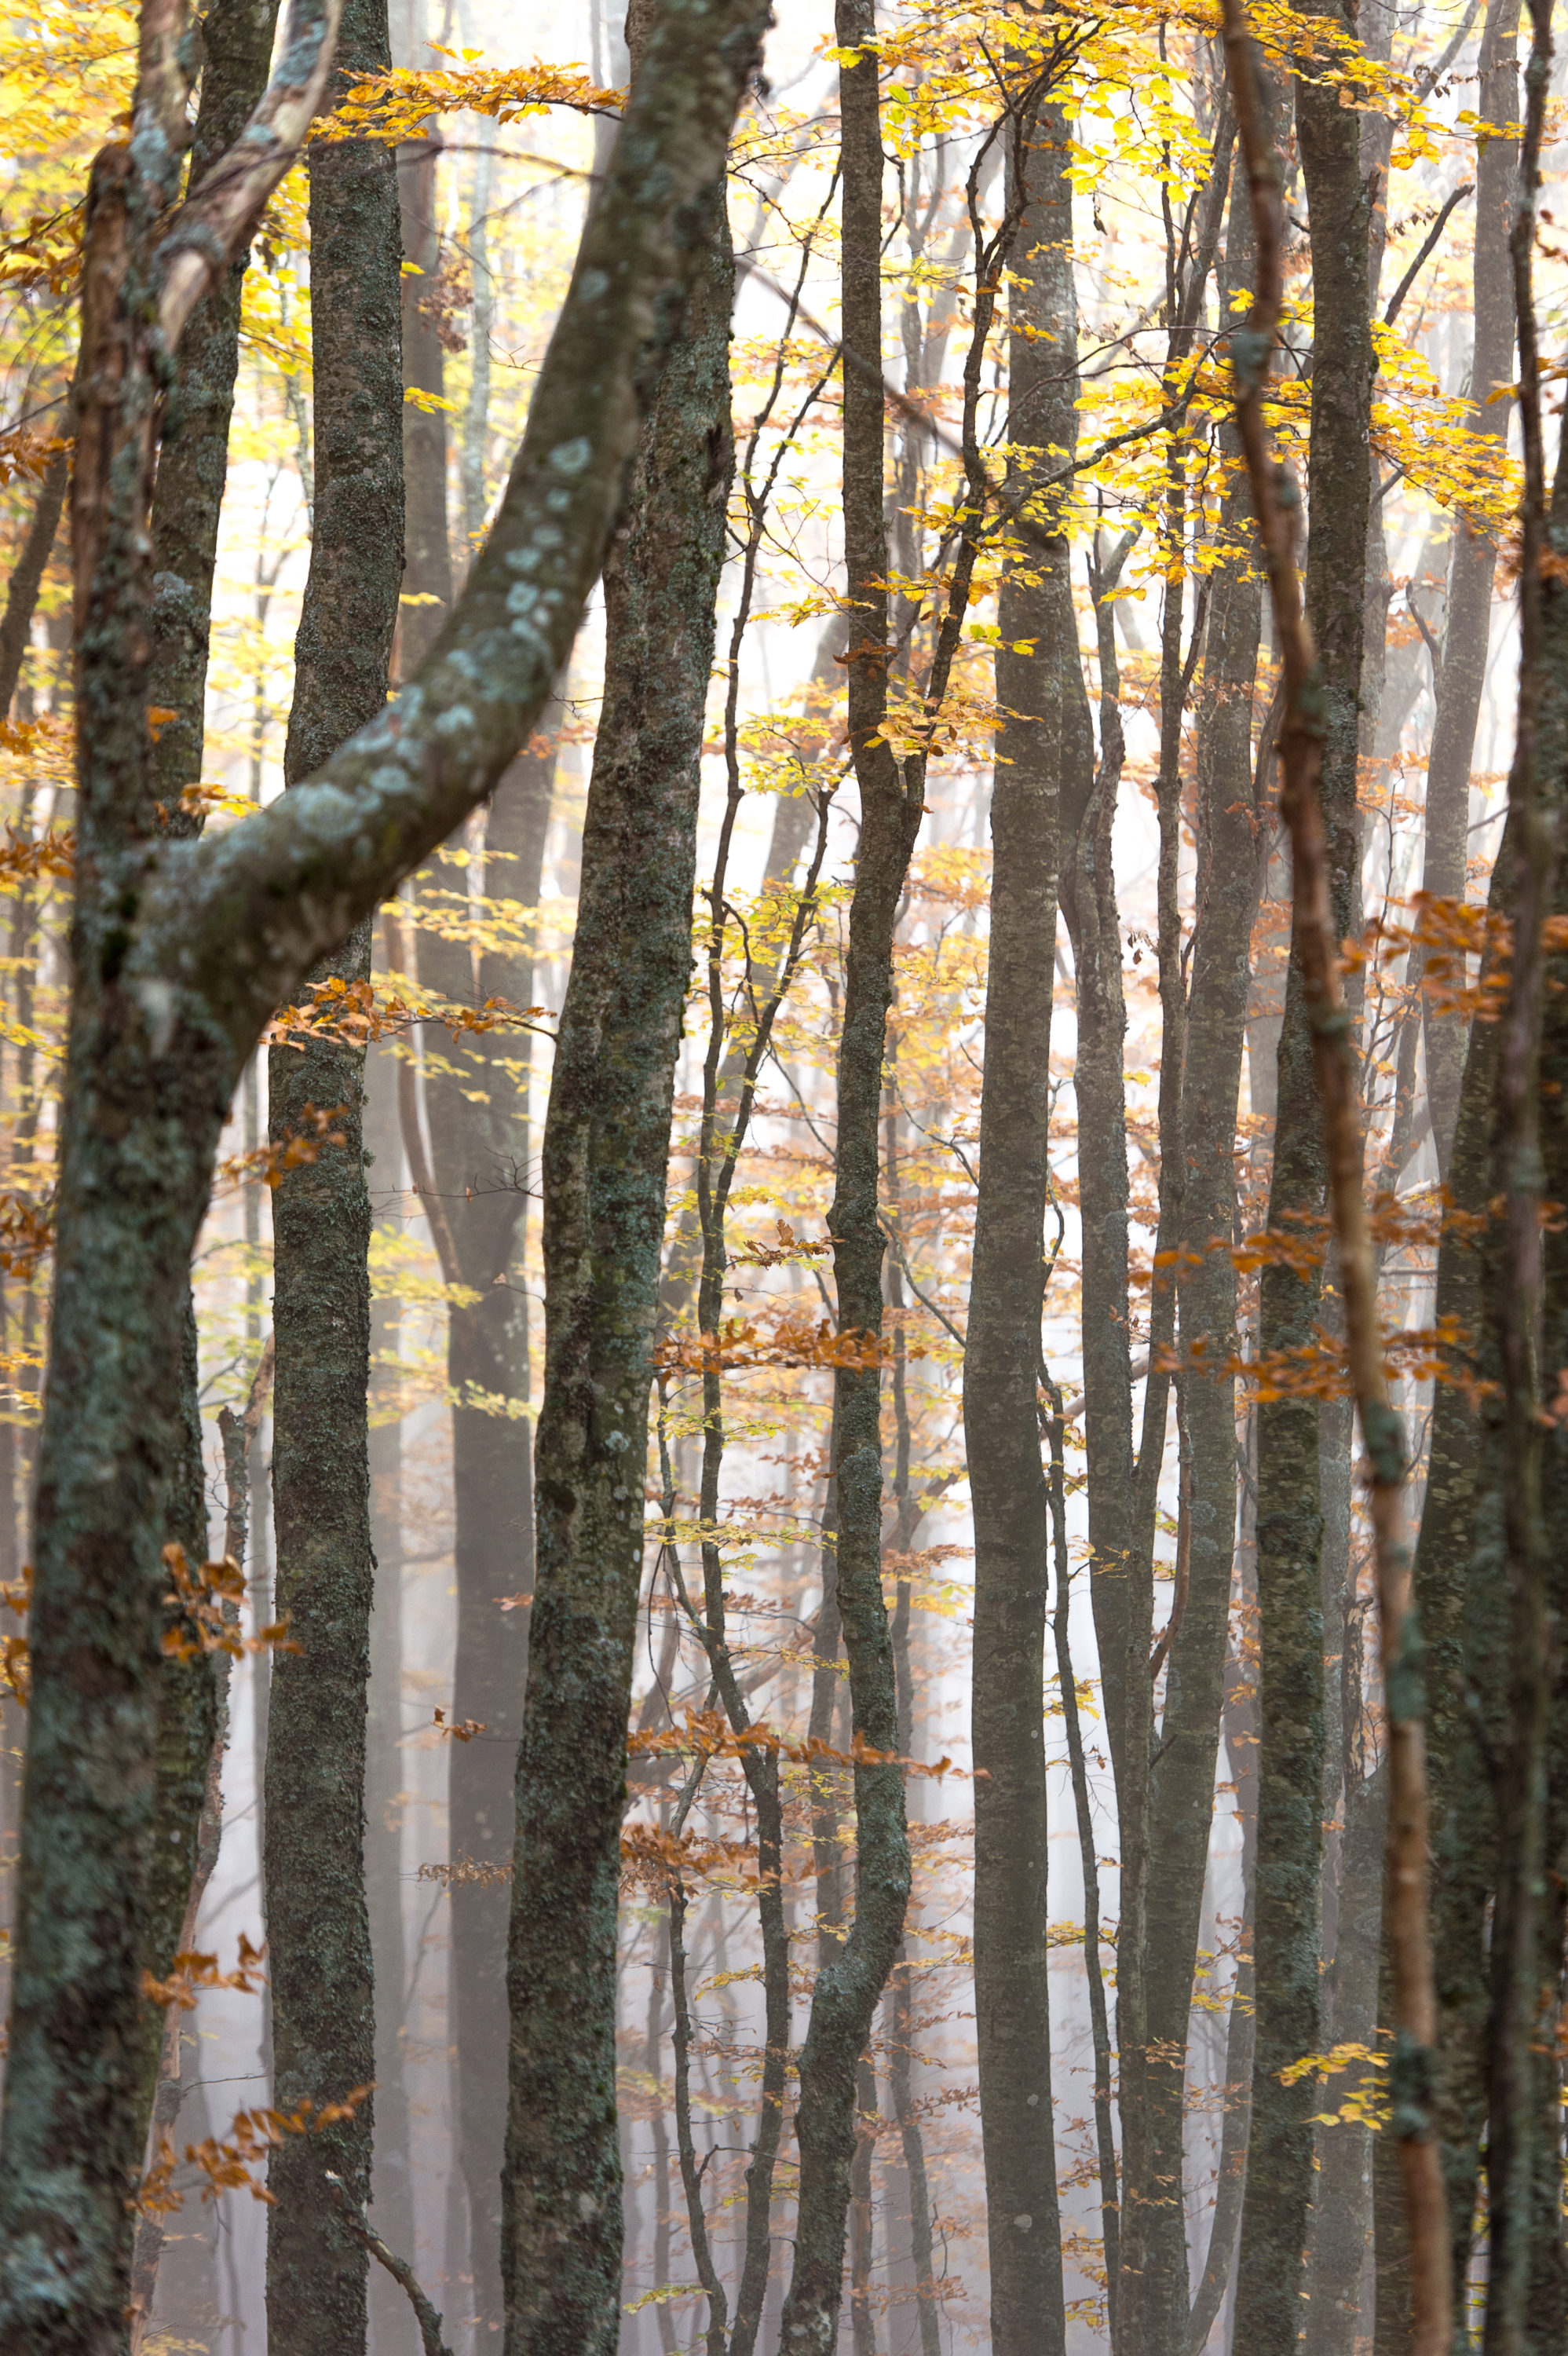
(845, 1999)
(1290, 1529)
(317, 1920)
(606, 1149)
(1473, 562)
(1045, 735)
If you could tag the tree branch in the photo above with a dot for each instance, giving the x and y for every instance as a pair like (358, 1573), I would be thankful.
(235, 920)
(398, 2268)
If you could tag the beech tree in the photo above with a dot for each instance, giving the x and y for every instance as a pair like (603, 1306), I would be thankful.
(162, 1030)
(975, 1043)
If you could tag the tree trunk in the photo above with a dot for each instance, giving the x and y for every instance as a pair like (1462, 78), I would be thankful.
(1342, 2207)
(1473, 561)
(1269, 2312)
(607, 1151)
(193, 463)
(477, 1113)
(1044, 734)
(844, 2002)
(392, 2329)
(317, 1920)
(1199, 1214)
(1464, 1642)
(27, 577)
(236, 40)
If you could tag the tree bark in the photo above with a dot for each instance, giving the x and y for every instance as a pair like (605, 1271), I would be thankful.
(1038, 743)
(317, 1918)
(607, 1151)
(1290, 1526)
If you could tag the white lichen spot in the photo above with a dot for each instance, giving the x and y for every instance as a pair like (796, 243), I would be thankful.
(156, 999)
(591, 285)
(587, 2206)
(1023, 2223)
(571, 457)
(455, 722)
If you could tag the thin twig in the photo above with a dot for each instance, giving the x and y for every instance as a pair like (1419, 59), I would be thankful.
(364, 2233)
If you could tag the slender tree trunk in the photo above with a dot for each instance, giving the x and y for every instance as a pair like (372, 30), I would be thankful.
(393, 2327)
(605, 1156)
(1230, 875)
(1342, 2214)
(237, 39)
(1088, 889)
(476, 1111)
(1240, 2033)
(1548, 2293)
(1464, 1636)
(1269, 2313)
(317, 1921)
(1196, 1102)
(1318, 744)
(846, 1995)
(193, 463)
(1044, 734)
(476, 1108)
(1525, 2271)
(27, 577)
(1473, 561)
